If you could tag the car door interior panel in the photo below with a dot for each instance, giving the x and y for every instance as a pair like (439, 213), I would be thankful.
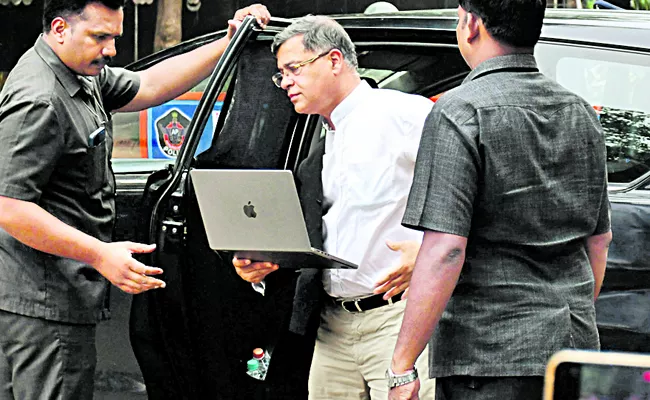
(208, 319)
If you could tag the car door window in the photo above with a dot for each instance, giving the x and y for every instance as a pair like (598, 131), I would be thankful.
(617, 85)
(146, 140)
(427, 71)
(257, 122)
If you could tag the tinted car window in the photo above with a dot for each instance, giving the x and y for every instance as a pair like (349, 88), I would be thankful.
(257, 119)
(427, 71)
(616, 84)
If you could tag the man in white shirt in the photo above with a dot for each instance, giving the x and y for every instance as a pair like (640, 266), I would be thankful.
(371, 142)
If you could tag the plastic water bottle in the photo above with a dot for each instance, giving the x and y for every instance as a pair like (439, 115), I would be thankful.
(253, 369)
(263, 358)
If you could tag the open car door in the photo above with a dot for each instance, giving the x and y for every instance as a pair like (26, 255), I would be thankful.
(193, 338)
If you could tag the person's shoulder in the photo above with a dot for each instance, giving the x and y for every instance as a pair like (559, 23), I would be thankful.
(475, 91)
(108, 73)
(552, 87)
(396, 95)
(458, 104)
(30, 80)
(117, 75)
(394, 102)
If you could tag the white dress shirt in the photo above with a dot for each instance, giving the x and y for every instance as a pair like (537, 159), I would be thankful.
(367, 173)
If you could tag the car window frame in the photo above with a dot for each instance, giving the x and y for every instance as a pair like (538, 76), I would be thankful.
(613, 187)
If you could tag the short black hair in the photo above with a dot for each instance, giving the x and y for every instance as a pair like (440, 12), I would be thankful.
(68, 8)
(513, 22)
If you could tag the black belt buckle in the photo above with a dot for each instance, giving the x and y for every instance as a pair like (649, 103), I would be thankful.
(368, 303)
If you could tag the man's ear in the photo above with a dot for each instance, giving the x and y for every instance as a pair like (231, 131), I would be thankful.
(58, 28)
(473, 26)
(337, 60)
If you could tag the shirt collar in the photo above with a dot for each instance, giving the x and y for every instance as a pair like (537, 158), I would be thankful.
(66, 77)
(348, 104)
(510, 61)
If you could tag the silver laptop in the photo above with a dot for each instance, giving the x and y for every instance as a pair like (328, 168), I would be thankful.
(257, 214)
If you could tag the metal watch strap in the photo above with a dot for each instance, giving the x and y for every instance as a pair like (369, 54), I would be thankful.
(401, 379)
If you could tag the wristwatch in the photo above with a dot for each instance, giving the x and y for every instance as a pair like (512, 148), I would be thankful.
(401, 379)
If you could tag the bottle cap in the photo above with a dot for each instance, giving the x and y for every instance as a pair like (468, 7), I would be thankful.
(258, 353)
(252, 365)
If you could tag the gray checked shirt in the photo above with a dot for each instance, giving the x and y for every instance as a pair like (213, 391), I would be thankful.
(515, 163)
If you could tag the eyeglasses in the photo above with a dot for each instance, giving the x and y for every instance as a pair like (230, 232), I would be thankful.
(294, 69)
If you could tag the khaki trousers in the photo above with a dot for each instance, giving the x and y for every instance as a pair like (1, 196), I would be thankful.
(353, 351)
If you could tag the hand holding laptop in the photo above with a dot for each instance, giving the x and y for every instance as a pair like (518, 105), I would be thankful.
(253, 272)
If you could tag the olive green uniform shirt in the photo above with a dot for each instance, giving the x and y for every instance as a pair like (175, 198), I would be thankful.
(47, 113)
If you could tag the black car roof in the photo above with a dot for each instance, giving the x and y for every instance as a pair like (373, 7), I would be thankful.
(617, 29)
(627, 30)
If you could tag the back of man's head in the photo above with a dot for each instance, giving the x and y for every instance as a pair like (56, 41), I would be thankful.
(515, 23)
(68, 8)
(319, 34)
(380, 7)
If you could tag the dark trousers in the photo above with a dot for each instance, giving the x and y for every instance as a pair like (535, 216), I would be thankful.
(489, 388)
(42, 359)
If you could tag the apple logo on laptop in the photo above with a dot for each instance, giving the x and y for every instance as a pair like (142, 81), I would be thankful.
(249, 210)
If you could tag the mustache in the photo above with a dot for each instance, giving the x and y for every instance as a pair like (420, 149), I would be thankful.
(103, 60)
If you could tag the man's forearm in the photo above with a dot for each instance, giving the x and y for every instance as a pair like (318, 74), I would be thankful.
(436, 272)
(36, 228)
(187, 71)
(597, 249)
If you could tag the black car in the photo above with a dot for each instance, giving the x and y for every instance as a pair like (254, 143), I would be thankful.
(193, 338)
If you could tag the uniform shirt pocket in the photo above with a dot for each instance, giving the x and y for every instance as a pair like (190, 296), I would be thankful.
(94, 165)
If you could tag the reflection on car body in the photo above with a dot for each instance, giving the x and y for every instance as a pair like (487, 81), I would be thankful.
(244, 121)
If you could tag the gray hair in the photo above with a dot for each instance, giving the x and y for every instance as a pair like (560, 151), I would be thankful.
(319, 34)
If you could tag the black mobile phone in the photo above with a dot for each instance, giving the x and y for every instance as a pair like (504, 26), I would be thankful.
(97, 136)
(593, 375)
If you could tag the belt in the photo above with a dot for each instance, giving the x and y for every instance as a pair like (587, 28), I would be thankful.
(367, 303)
